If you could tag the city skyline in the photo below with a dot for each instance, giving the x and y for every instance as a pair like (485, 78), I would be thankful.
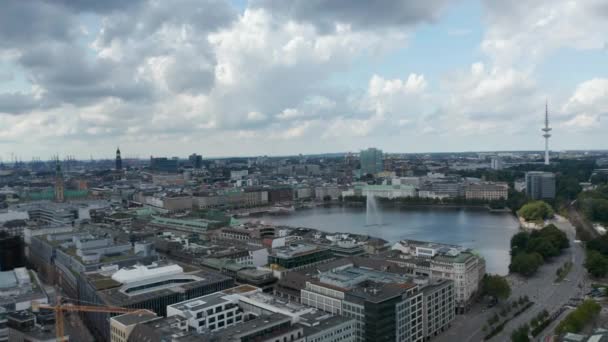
(185, 155)
(245, 78)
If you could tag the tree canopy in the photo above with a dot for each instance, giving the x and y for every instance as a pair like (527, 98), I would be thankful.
(535, 211)
(526, 263)
(521, 334)
(530, 250)
(596, 264)
(496, 286)
(577, 319)
(519, 242)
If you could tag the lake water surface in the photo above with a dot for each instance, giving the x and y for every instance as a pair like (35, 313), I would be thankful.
(486, 232)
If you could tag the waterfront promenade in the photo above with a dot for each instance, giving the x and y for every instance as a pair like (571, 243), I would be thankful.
(541, 289)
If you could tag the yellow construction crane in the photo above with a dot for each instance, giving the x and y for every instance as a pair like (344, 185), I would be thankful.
(60, 309)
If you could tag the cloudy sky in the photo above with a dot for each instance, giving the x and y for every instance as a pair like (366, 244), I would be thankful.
(238, 77)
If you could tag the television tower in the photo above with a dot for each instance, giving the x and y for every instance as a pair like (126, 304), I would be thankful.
(547, 129)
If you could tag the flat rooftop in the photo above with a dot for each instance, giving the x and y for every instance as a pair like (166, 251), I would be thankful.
(314, 323)
(200, 303)
(294, 250)
(351, 276)
(213, 299)
(117, 296)
(377, 292)
(261, 323)
(135, 317)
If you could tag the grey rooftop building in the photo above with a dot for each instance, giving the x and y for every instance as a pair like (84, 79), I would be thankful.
(540, 185)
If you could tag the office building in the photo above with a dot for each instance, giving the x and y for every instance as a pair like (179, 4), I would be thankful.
(238, 310)
(296, 256)
(18, 288)
(232, 199)
(372, 161)
(326, 192)
(437, 315)
(196, 161)
(186, 225)
(387, 306)
(163, 329)
(121, 326)
(440, 261)
(263, 328)
(26, 326)
(11, 252)
(3, 324)
(496, 164)
(446, 188)
(385, 312)
(152, 287)
(303, 192)
(486, 191)
(164, 164)
(13, 227)
(280, 194)
(389, 191)
(540, 185)
(30, 232)
(238, 174)
(60, 214)
(299, 170)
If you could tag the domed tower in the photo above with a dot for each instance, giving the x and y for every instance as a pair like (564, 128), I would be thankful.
(118, 160)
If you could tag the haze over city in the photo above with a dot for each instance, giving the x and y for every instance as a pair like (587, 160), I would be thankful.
(263, 77)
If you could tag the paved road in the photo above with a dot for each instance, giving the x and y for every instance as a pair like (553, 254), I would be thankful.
(577, 218)
(540, 289)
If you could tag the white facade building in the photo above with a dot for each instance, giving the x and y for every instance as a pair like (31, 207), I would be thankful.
(389, 191)
(438, 261)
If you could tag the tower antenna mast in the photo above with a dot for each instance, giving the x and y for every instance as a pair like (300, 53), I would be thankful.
(547, 135)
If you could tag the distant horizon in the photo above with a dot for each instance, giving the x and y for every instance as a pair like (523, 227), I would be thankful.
(126, 157)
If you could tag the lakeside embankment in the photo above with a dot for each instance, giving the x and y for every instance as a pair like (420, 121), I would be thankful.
(425, 206)
(472, 227)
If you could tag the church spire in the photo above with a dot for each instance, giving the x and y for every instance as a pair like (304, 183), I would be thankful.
(118, 159)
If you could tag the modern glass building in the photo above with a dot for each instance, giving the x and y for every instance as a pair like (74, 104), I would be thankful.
(372, 161)
(164, 164)
(540, 185)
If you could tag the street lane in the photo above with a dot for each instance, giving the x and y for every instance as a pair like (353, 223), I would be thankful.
(540, 288)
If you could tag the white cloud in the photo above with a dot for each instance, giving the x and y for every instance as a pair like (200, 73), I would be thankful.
(256, 116)
(524, 32)
(165, 71)
(587, 105)
(582, 121)
(289, 113)
(589, 95)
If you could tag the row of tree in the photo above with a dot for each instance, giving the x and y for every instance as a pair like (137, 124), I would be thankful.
(594, 204)
(597, 256)
(577, 319)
